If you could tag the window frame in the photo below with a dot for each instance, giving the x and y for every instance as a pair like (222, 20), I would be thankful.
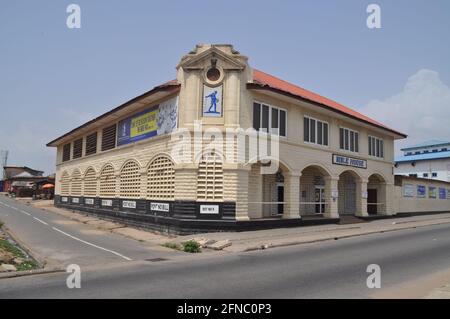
(269, 128)
(346, 140)
(378, 144)
(316, 132)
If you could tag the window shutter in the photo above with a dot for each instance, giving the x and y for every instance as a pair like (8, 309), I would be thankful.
(109, 138)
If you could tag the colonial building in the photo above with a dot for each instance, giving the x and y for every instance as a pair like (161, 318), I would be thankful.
(330, 160)
(430, 159)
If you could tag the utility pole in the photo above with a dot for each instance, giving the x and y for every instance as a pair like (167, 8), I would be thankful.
(3, 161)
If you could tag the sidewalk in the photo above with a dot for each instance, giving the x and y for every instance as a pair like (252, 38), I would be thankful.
(263, 239)
(260, 239)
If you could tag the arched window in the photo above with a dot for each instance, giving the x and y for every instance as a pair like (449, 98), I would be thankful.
(130, 180)
(90, 183)
(210, 178)
(107, 182)
(75, 186)
(65, 184)
(161, 179)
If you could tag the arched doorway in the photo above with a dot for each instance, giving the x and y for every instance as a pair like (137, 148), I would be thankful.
(267, 193)
(348, 193)
(376, 195)
(313, 195)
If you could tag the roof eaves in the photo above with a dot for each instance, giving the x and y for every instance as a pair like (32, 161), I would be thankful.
(166, 87)
(258, 85)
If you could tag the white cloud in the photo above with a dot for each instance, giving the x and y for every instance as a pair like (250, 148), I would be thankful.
(421, 110)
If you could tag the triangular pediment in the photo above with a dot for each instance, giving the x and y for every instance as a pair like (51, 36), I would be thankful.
(197, 61)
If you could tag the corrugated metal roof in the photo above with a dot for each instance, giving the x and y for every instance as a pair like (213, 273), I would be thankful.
(426, 144)
(422, 157)
(266, 79)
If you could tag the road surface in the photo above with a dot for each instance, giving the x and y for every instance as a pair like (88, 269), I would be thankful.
(412, 262)
(62, 241)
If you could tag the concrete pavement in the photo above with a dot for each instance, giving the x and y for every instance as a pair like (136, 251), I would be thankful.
(330, 269)
(263, 239)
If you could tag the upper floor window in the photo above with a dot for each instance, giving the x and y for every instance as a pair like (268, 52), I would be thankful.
(315, 131)
(425, 175)
(409, 153)
(444, 150)
(376, 147)
(433, 174)
(109, 137)
(91, 144)
(66, 153)
(78, 148)
(267, 117)
(348, 140)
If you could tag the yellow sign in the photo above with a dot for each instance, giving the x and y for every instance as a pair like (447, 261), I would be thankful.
(144, 124)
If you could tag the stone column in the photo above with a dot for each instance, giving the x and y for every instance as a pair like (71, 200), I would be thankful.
(389, 208)
(361, 201)
(236, 183)
(292, 194)
(331, 207)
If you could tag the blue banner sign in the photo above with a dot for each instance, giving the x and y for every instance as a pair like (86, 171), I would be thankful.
(349, 161)
(442, 193)
(421, 191)
(157, 120)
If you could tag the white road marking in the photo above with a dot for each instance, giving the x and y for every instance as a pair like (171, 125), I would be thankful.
(93, 245)
(26, 213)
(40, 220)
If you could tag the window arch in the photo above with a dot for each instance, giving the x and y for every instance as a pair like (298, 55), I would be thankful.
(161, 179)
(90, 183)
(107, 182)
(210, 177)
(75, 185)
(130, 180)
(65, 184)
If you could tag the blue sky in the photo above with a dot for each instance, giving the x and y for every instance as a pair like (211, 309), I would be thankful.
(53, 78)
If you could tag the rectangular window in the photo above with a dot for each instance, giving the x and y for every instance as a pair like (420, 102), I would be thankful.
(256, 116)
(349, 140)
(433, 174)
(376, 147)
(109, 138)
(269, 119)
(315, 131)
(66, 153)
(265, 119)
(275, 123)
(78, 148)
(91, 144)
(306, 129)
(425, 174)
(282, 123)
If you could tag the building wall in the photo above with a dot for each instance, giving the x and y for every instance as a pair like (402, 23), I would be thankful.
(439, 166)
(242, 184)
(415, 204)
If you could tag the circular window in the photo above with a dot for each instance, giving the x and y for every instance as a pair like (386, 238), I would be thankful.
(213, 74)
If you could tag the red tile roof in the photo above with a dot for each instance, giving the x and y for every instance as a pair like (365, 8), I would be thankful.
(265, 80)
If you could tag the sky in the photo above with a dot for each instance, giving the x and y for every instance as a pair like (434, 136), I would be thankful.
(53, 78)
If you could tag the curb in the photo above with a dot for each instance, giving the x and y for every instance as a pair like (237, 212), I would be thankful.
(24, 273)
(265, 246)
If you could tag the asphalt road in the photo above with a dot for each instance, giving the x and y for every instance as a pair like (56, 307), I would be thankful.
(62, 241)
(335, 269)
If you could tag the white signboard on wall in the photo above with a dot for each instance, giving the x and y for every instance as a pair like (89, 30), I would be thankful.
(89, 201)
(159, 207)
(209, 209)
(106, 202)
(409, 190)
(212, 101)
(129, 204)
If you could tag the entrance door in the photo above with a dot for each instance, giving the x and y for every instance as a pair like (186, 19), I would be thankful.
(372, 199)
(350, 197)
(280, 198)
(319, 198)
